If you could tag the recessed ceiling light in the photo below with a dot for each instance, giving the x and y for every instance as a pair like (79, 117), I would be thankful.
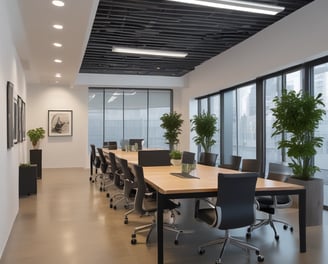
(58, 3)
(58, 75)
(151, 52)
(58, 60)
(56, 44)
(245, 6)
(57, 26)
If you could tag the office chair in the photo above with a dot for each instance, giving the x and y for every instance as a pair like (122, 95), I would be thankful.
(115, 171)
(106, 175)
(128, 185)
(208, 159)
(234, 165)
(111, 145)
(250, 165)
(154, 158)
(188, 157)
(145, 203)
(138, 141)
(94, 163)
(234, 209)
(268, 204)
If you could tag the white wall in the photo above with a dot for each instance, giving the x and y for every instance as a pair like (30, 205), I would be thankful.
(300, 37)
(60, 152)
(10, 70)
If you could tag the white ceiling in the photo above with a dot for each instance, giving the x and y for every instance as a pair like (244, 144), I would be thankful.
(34, 35)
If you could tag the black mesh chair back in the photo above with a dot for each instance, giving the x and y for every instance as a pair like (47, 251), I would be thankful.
(140, 204)
(208, 159)
(250, 165)
(234, 165)
(235, 198)
(188, 157)
(112, 145)
(94, 160)
(103, 161)
(138, 141)
(154, 158)
(115, 170)
(127, 174)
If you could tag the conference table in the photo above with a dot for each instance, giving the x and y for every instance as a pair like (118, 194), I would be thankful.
(169, 184)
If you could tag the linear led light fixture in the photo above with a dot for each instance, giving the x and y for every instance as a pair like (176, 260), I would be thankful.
(244, 6)
(174, 54)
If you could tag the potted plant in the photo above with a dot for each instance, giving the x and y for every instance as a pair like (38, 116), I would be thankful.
(204, 125)
(297, 117)
(35, 135)
(172, 123)
(176, 156)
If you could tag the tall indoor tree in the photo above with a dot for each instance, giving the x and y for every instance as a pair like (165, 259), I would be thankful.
(297, 117)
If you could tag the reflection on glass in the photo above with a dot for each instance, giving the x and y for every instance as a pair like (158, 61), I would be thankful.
(320, 78)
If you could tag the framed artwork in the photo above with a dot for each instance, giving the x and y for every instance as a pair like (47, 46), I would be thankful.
(23, 121)
(60, 123)
(15, 121)
(10, 115)
(20, 119)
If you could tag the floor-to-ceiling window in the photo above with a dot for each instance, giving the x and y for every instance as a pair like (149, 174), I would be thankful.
(122, 114)
(246, 121)
(320, 85)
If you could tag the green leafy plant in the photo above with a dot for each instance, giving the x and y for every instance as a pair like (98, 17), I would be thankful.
(297, 116)
(35, 135)
(204, 125)
(25, 165)
(172, 123)
(175, 154)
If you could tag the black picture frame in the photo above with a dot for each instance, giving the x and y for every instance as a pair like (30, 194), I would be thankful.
(60, 123)
(15, 121)
(20, 119)
(10, 115)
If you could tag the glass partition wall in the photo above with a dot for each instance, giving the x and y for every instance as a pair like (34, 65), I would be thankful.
(121, 114)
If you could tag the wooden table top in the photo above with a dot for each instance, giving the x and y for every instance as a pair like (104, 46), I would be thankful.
(205, 179)
(163, 181)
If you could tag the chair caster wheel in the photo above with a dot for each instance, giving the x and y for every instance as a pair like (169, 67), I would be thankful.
(100, 189)
(260, 258)
(110, 206)
(133, 241)
(90, 179)
(111, 199)
(218, 261)
(285, 227)
(107, 195)
(176, 242)
(126, 221)
(201, 251)
(114, 207)
(93, 181)
(126, 207)
(248, 235)
(291, 229)
(276, 237)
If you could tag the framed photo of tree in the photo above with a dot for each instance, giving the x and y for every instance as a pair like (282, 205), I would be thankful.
(60, 123)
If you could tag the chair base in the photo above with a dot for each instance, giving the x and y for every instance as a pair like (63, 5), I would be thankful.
(228, 239)
(150, 228)
(118, 198)
(269, 221)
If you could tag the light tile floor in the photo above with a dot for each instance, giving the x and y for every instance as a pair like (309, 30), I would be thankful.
(69, 221)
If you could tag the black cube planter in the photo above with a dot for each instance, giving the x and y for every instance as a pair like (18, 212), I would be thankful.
(36, 158)
(27, 179)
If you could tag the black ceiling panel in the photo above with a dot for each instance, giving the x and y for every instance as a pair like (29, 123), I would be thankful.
(202, 32)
